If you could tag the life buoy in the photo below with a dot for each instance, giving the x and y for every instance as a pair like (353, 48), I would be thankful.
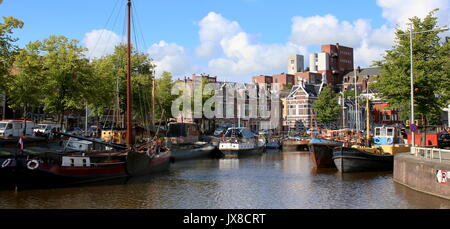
(389, 141)
(32, 164)
(6, 163)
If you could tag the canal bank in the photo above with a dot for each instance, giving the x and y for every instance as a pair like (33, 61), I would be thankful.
(424, 170)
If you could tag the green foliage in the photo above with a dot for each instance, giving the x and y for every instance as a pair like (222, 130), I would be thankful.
(164, 98)
(326, 106)
(111, 68)
(66, 74)
(23, 87)
(431, 71)
(7, 47)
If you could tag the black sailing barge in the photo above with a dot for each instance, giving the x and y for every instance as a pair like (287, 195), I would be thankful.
(55, 165)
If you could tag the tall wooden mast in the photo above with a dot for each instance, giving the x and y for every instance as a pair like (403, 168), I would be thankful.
(129, 98)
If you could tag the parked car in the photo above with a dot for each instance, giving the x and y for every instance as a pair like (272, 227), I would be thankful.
(75, 131)
(15, 128)
(44, 129)
(444, 140)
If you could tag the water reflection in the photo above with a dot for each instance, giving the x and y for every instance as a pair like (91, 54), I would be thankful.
(280, 180)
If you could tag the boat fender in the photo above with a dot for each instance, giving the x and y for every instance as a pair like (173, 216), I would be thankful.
(389, 141)
(32, 164)
(6, 163)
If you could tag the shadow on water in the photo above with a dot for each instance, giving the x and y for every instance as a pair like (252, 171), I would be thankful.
(420, 200)
(361, 176)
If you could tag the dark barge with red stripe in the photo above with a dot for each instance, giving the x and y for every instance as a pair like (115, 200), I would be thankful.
(52, 166)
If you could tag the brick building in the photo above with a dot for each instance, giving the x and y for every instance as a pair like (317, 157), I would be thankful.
(299, 106)
(333, 60)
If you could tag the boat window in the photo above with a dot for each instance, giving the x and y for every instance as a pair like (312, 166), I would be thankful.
(383, 132)
(233, 133)
(377, 131)
(176, 130)
(390, 132)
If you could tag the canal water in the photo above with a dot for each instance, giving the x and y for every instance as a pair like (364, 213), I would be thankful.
(274, 180)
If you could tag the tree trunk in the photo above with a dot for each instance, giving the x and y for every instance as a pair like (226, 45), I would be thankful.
(25, 120)
(61, 120)
(425, 131)
(423, 138)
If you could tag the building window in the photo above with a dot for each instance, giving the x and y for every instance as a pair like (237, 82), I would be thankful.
(386, 117)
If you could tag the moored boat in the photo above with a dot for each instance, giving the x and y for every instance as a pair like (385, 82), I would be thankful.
(184, 142)
(349, 159)
(295, 144)
(379, 157)
(273, 145)
(56, 165)
(239, 141)
(321, 152)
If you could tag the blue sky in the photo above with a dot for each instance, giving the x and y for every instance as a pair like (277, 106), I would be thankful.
(229, 38)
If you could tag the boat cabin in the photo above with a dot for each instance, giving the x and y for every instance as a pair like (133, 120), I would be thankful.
(387, 136)
(183, 133)
(239, 132)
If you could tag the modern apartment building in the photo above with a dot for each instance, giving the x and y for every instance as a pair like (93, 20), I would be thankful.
(295, 64)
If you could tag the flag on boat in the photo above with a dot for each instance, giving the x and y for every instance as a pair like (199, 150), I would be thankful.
(21, 144)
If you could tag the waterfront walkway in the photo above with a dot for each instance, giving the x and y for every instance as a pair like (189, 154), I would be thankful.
(425, 170)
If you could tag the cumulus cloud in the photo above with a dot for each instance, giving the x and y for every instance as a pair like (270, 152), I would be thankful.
(170, 57)
(213, 28)
(368, 43)
(327, 30)
(232, 51)
(397, 12)
(101, 42)
(242, 57)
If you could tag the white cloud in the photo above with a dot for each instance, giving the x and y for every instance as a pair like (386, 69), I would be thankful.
(327, 29)
(170, 57)
(101, 42)
(213, 28)
(233, 53)
(397, 12)
(368, 43)
(242, 57)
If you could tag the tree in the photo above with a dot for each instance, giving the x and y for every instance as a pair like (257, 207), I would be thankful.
(66, 72)
(164, 97)
(24, 87)
(111, 68)
(431, 58)
(7, 47)
(326, 107)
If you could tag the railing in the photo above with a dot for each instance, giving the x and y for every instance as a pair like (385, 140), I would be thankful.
(431, 153)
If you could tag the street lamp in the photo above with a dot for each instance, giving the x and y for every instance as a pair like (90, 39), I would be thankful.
(412, 81)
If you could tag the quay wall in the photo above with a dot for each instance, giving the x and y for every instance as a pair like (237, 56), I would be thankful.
(421, 175)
